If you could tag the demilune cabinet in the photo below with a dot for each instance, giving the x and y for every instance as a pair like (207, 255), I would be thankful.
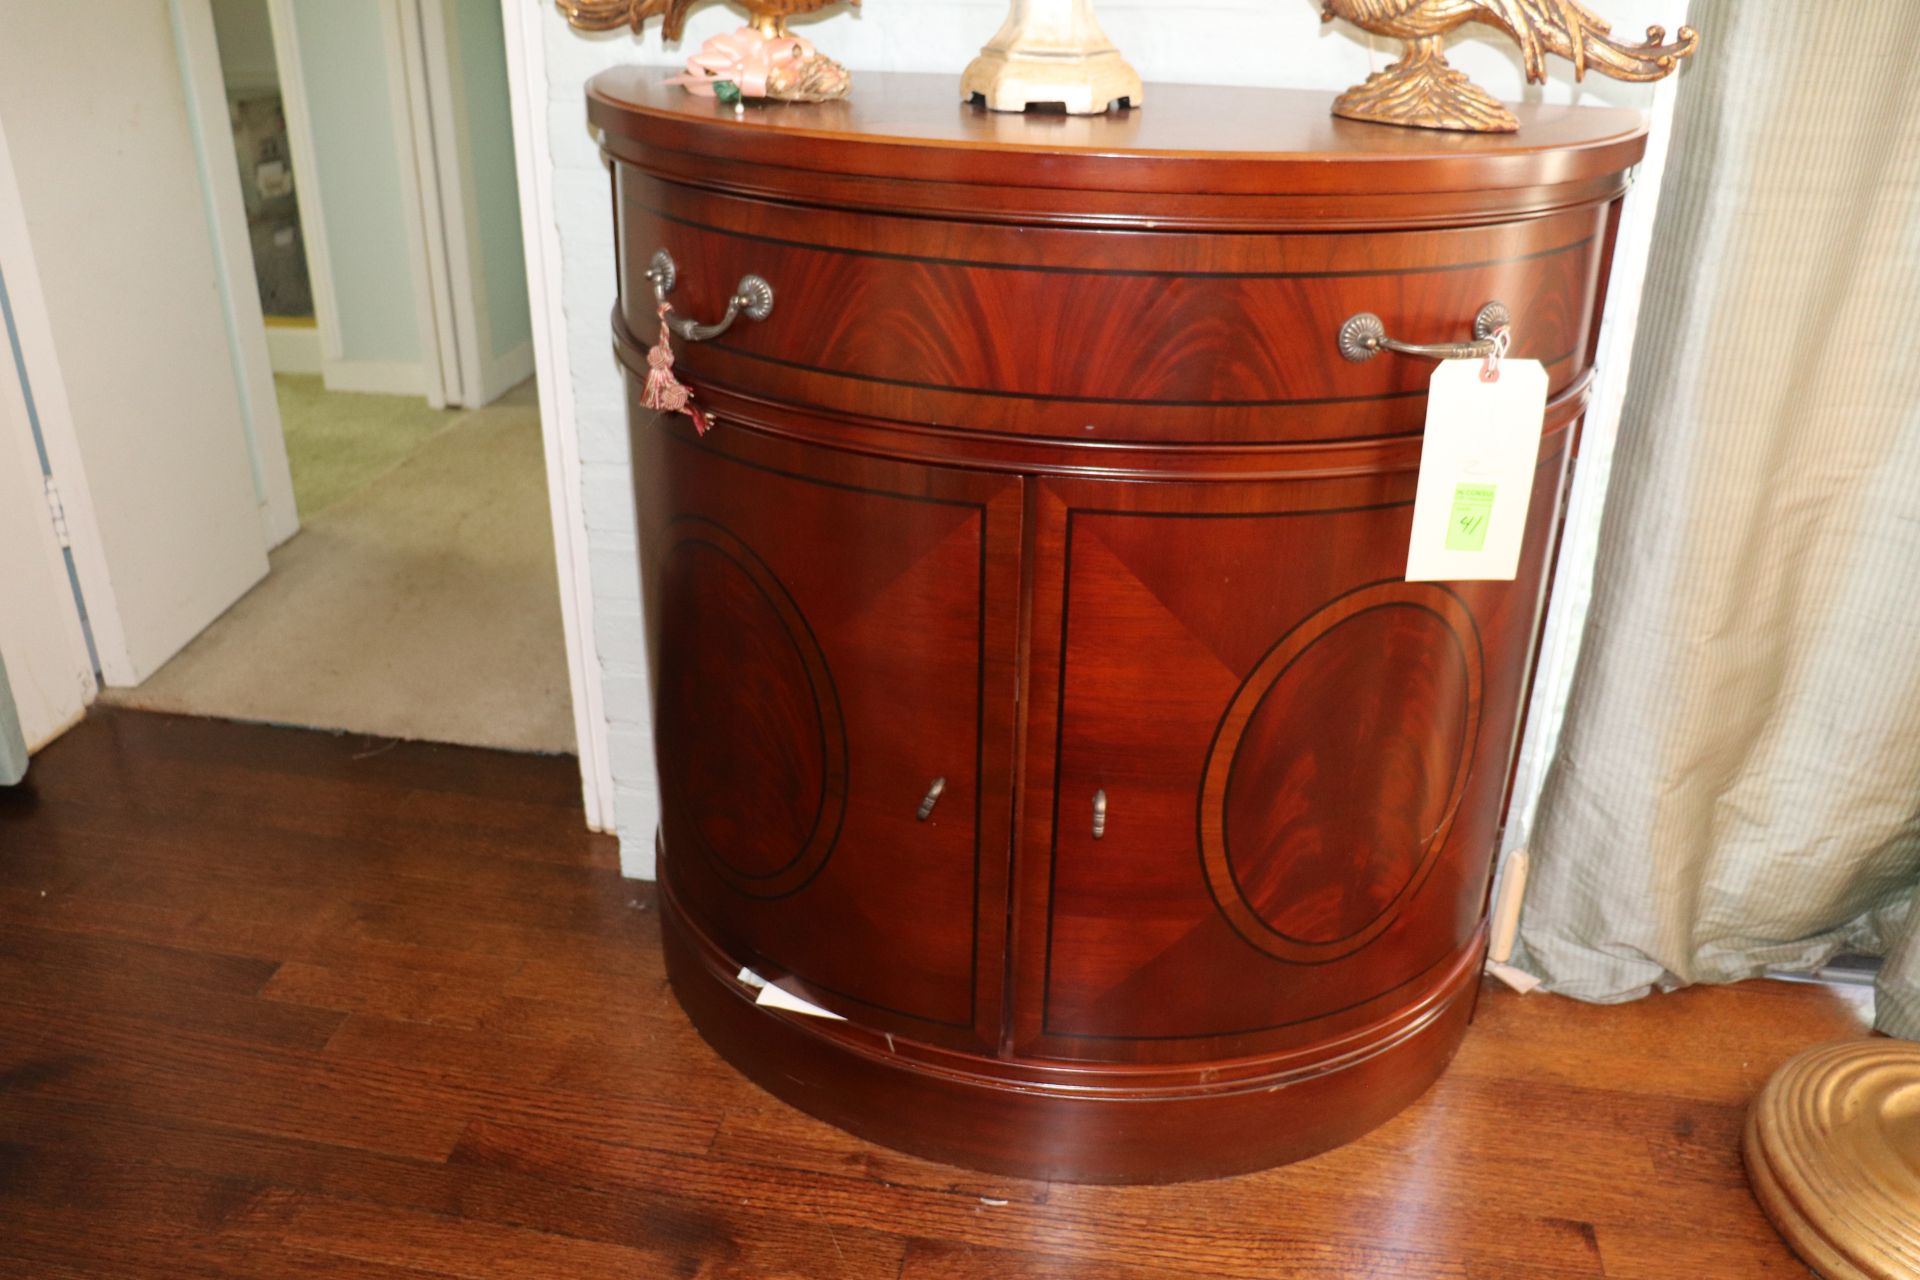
(1035, 684)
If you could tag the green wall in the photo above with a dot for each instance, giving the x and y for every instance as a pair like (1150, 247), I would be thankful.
(481, 47)
(343, 62)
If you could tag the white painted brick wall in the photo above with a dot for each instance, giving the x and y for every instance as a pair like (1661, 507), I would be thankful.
(1258, 42)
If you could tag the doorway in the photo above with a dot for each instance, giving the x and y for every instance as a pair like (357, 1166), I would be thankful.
(371, 143)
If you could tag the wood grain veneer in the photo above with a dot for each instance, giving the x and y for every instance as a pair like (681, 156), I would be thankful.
(277, 1003)
(1044, 481)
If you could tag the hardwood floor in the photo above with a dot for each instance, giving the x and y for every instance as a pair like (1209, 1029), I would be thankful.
(278, 1003)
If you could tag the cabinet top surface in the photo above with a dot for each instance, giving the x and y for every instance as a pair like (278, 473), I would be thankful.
(1185, 138)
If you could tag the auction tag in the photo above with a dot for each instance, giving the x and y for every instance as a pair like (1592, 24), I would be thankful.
(1476, 470)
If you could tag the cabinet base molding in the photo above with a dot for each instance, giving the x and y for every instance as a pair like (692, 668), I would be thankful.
(1084, 1122)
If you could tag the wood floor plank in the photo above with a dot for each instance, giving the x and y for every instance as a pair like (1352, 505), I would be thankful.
(767, 1133)
(218, 1080)
(277, 1004)
(1753, 1028)
(669, 1230)
(97, 960)
(703, 1242)
(402, 992)
(1125, 1227)
(52, 971)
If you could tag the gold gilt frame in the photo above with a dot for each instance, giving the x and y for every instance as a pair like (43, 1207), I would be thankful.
(770, 16)
(1421, 91)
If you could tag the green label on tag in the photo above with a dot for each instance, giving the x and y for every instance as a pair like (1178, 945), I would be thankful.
(1471, 514)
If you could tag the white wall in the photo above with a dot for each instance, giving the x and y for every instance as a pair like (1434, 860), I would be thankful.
(354, 206)
(1254, 42)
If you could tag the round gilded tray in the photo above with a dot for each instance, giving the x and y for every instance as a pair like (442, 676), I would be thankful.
(1833, 1152)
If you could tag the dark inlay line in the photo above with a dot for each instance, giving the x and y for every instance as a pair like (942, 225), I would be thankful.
(980, 507)
(1047, 1028)
(1054, 1034)
(995, 393)
(627, 347)
(1025, 438)
(844, 486)
(1047, 269)
(1418, 879)
(927, 1019)
(1059, 753)
(839, 714)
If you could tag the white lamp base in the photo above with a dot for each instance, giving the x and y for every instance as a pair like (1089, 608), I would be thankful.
(1052, 52)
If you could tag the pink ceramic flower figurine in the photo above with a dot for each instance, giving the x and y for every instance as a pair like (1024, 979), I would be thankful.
(764, 66)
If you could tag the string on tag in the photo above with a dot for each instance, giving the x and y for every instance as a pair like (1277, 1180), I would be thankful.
(664, 393)
(1502, 339)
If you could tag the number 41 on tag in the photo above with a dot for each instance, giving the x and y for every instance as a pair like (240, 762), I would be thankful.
(1476, 470)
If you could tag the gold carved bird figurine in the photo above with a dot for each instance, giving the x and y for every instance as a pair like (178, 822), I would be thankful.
(1422, 91)
(770, 16)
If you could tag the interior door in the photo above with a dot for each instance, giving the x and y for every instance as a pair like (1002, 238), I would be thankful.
(116, 299)
(833, 641)
(47, 680)
(1263, 773)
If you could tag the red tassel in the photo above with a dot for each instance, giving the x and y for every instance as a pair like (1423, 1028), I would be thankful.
(665, 393)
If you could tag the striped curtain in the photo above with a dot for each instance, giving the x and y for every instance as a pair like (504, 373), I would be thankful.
(1737, 788)
(13, 747)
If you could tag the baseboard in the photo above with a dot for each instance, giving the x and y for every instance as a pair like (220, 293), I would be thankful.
(506, 371)
(293, 348)
(380, 377)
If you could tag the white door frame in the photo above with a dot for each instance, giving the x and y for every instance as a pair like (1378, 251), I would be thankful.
(533, 155)
(473, 373)
(420, 197)
(445, 213)
(339, 374)
(313, 227)
(199, 52)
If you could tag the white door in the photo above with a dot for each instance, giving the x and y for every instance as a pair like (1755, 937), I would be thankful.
(106, 248)
(48, 674)
(456, 58)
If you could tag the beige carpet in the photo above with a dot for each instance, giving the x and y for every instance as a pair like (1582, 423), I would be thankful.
(420, 604)
(337, 441)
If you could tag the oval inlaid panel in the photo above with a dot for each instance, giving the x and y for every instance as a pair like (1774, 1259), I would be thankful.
(758, 773)
(1336, 772)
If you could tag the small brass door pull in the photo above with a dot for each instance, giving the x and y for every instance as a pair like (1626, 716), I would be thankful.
(933, 798)
(752, 297)
(1364, 336)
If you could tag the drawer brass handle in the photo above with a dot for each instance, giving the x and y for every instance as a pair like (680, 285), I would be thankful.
(752, 297)
(933, 798)
(1363, 337)
(1099, 814)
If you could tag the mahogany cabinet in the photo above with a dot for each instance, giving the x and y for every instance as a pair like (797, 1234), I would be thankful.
(1035, 682)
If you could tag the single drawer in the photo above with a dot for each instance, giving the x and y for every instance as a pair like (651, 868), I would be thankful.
(1096, 335)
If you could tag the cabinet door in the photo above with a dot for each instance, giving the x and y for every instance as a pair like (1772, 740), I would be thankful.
(832, 641)
(1300, 757)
